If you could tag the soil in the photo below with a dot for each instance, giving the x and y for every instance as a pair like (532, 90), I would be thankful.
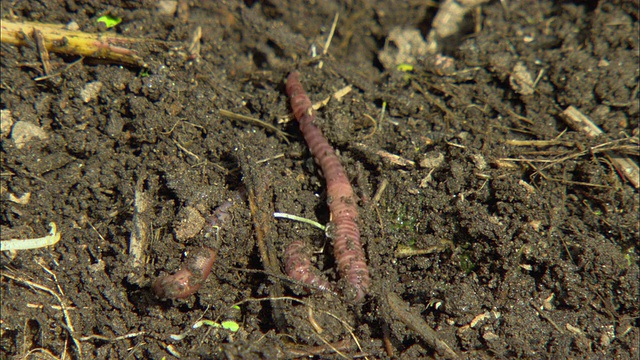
(505, 249)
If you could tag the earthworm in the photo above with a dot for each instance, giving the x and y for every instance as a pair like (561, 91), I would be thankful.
(221, 214)
(189, 278)
(197, 266)
(347, 247)
(297, 259)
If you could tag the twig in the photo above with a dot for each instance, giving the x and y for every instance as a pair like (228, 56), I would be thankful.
(383, 185)
(59, 40)
(111, 339)
(331, 32)
(407, 251)
(415, 323)
(327, 43)
(233, 116)
(389, 157)
(540, 143)
(42, 49)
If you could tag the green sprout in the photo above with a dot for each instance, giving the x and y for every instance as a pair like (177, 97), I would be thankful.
(227, 325)
(466, 264)
(300, 219)
(109, 20)
(404, 67)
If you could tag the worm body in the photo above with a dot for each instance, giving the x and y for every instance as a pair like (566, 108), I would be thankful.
(347, 246)
(297, 258)
(189, 278)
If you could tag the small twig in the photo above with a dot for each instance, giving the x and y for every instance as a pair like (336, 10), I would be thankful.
(375, 126)
(383, 185)
(42, 49)
(308, 304)
(69, 66)
(541, 313)
(327, 43)
(233, 116)
(415, 323)
(389, 157)
(331, 32)
(270, 158)
(111, 339)
(540, 143)
(194, 46)
(139, 238)
(382, 111)
(607, 148)
(186, 150)
(407, 251)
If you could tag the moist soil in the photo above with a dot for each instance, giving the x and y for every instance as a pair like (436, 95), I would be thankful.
(483, 215)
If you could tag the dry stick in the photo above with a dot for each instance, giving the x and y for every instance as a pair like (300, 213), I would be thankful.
(60, 40)
(347, 247)
(44, 53)
(415, 323)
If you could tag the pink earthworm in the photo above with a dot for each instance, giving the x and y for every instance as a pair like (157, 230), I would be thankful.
(221, 214)
(297, 259)
(347, 246)
(189, 278)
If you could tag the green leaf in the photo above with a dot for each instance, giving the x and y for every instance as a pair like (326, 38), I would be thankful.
(109, 20)
(230, 325)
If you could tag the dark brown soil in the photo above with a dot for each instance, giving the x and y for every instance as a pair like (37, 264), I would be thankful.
(529, 259)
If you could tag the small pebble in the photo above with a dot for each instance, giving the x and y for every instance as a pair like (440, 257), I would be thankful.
(6, 122)
(91, 91)
(24, 131)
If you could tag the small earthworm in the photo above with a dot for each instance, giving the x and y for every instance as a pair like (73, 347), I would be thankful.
(189, 278)
(297, 259)
(347, 247)
(221, 214)
(197, 266)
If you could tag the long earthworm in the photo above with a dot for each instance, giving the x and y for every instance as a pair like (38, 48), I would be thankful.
(347, 246)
